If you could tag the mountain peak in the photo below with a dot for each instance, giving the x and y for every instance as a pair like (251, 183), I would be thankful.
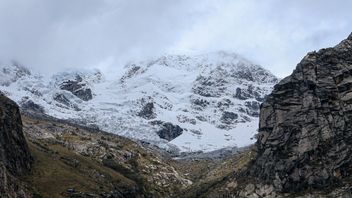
(196, 102)
(204, 63)
(350, 36)
(345, 44)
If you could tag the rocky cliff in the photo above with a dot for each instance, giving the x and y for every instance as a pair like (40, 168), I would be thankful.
(305, 132)
(15, 159)
(304, 143)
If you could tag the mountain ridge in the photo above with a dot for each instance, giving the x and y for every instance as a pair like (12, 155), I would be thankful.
(178, 97)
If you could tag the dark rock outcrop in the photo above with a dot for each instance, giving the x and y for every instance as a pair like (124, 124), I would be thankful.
(248, 93)
(228, 117)
(305, 132)
(78, 88)
(30, 106)
(62, 99)
(15, 158)
(168, 130)
(147, 111)
(252, 108)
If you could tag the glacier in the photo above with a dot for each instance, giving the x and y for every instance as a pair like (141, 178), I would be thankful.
(206, 102)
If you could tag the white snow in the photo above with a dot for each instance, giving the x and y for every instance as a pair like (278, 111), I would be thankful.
(174, 83)
(215, 138)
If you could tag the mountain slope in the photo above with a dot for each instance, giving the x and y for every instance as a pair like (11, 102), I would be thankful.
(76, 161)
(177, 102)
(304, 141)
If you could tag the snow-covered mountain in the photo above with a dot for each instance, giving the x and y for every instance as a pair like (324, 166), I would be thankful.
(202, 102)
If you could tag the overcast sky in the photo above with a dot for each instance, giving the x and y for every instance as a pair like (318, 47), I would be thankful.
(49, 35)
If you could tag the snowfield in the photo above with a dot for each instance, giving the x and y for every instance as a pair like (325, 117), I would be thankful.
(196, 103)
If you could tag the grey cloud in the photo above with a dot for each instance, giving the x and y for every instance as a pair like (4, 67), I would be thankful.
(50, 35)
(274, 33)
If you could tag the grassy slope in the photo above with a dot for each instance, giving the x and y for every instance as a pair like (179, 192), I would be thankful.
(67, 156)
(216, 174)
(57, 169)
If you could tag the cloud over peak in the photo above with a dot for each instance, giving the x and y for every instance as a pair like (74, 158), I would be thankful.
(51, 35)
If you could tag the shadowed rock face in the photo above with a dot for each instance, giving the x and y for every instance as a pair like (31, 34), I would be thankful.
(305, 132)
(29, 105)
(168, 131)
(147, 111)
(15, 159)
(78, 88)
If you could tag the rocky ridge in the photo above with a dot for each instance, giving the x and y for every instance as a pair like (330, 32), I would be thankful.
(15, 158)
(305, 133)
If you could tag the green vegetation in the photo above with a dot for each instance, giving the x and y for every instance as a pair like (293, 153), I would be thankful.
(217, 174)
(72, 161)
(57, 170)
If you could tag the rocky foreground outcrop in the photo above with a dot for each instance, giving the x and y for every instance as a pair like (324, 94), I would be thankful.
(305, 134)
(15, 159)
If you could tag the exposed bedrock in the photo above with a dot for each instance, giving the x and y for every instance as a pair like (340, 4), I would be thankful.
(305, 132)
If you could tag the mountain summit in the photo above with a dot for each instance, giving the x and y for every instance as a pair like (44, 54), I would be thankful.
(188, 103)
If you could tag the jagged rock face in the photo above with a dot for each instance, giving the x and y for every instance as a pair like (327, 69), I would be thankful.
(64, 102)
(31, 106)
(305, 134)
(77, 88)
(14, 150)
(168, 130)
(147, 111)
(15, 159)
(228, 117)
